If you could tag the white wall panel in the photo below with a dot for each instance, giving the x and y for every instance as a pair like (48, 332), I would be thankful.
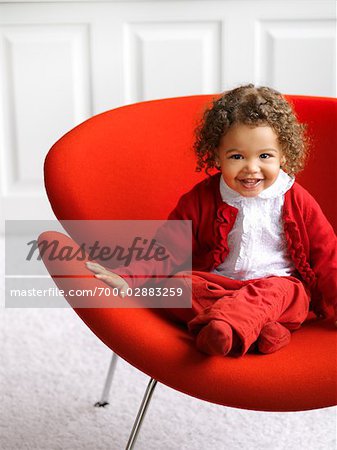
(45, 70)
(171, 59)
(298, 57)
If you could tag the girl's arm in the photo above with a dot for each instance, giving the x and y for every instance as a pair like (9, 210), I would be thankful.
(323, 255)
(174, 236)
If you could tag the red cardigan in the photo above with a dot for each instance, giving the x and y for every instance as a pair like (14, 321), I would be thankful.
(311, 241)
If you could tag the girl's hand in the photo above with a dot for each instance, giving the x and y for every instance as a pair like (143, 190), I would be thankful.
(110, 278)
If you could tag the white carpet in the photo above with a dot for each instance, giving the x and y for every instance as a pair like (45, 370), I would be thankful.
(52, 372)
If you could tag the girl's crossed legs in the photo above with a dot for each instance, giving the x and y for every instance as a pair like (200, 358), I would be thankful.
(230, 315)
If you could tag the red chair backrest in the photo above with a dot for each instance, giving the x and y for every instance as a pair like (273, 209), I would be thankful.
(134, 162)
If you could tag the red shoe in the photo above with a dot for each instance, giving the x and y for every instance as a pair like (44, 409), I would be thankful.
(273, 337)
(215, 338)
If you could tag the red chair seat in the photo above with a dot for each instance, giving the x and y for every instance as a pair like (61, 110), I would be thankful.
(300, 376)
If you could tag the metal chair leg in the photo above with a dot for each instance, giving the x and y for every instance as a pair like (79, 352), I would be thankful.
(105, 394)
(141, 413)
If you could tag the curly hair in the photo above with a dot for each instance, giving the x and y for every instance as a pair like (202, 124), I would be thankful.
(250, 105)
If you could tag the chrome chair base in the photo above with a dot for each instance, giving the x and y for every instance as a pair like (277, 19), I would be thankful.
(142, 409)
(141, 413)
(107, 386)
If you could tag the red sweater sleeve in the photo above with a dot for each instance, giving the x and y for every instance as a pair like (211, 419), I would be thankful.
(323, 254)
(175, 236)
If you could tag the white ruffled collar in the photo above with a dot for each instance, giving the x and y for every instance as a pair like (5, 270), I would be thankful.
(282, 184)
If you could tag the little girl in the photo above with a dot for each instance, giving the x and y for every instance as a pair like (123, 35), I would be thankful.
(262, 248)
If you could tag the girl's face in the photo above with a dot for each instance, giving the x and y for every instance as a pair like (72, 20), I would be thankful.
(250, 158)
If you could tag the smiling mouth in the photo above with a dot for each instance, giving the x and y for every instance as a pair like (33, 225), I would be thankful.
(250, 183)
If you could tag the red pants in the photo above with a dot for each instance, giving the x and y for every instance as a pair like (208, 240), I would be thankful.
(247, 306)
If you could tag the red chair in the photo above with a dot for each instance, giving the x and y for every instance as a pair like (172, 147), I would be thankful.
(133, 163)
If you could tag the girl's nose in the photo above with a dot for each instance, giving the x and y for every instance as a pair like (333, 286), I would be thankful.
(252, 166)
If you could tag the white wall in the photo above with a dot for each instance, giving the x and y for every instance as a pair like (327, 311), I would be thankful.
(62, 62)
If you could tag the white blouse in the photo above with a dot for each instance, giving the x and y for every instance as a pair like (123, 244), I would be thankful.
(257, 245)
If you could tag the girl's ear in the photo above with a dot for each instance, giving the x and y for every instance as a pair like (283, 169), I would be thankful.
(283, 161)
